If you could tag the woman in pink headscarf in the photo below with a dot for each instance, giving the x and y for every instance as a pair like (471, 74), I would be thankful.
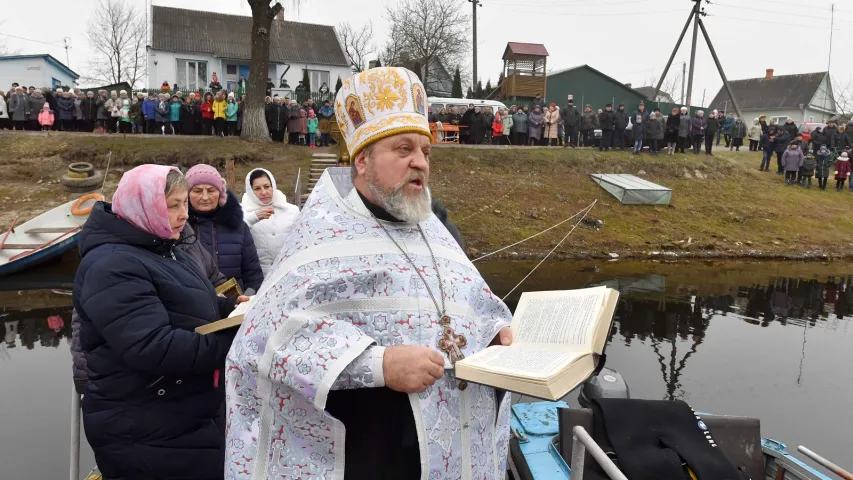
(155, 392)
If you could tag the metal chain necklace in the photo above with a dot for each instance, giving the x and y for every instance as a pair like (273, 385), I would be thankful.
(450, 343)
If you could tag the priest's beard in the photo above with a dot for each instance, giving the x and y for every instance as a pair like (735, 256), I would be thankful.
(414, 209)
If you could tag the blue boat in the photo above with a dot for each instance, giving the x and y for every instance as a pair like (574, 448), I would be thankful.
(46, 236)
(549, 438)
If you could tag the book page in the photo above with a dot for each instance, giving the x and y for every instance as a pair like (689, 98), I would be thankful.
(558, 318)
(522, 361)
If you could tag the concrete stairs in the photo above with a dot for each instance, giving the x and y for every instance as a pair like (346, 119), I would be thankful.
(319, 163)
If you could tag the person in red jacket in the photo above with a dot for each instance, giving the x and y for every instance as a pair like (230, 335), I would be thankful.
(207, 114)
(497, 130)
(842, 171)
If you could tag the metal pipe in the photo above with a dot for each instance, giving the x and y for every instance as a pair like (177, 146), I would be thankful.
(693, 53)
(826, 463)
(672, 57)
(581, 439)
(720, 68)
(74, 462)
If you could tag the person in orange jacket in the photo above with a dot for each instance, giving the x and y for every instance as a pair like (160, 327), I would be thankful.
(45, 117)
(497, 130)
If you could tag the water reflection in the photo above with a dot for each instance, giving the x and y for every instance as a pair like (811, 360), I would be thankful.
(42, 327)
(646, 312)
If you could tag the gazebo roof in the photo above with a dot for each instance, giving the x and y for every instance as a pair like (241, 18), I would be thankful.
(524, 49)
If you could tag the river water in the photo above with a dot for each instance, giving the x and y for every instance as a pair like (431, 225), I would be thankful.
(770, 340)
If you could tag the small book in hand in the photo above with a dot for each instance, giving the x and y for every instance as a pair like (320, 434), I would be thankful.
(557, 338)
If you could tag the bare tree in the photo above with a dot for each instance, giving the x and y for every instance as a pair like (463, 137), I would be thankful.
(670, 84)
(358, 44)
(254, 122)
(393, 53)
(841, 95)
(429, 32)
(4, 50)
(117, 35)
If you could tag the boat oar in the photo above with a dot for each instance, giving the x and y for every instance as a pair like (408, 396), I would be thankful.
(826, 463)
(11, 229)
(45, 244)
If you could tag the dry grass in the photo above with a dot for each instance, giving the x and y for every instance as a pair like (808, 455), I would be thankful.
(734, 210)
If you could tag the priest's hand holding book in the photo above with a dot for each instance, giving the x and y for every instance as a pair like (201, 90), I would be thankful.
(413, 368)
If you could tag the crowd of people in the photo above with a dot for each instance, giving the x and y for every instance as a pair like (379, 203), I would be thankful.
(169, 112)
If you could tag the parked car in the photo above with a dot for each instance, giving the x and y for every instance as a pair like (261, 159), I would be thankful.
(807, 128)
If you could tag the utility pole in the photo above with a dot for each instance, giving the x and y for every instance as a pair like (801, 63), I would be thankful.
(695, 17)
(683, 79)
(474, 5)
(696, 12)
(829, 61)
(67, 58)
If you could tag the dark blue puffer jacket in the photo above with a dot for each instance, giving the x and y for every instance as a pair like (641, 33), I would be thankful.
(224, 234)
(151, 409)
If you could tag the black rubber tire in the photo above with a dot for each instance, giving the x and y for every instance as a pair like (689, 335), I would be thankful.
(75, 175)
(81, 167)
(76, 183)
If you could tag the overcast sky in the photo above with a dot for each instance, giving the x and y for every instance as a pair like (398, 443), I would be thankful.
(629, 40)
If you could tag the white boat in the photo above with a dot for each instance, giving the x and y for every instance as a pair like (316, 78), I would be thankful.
(47, 236)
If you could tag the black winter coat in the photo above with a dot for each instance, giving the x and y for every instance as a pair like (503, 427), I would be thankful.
(189, 123)
(783, 141)
(672, 123)
(276, 117)
(829, 134)
(792, 129)
(571, 115)
(606, 120)
(229, 240)
(441, 212)
(713, 126)
(151, 408)
(621, 118)
(89, 107)
(477, 127)
(189, 244)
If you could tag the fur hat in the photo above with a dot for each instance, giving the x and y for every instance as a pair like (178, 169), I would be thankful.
(379, 103)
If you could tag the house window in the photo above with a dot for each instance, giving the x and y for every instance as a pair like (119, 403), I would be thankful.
(192, 74)
(779, 120)
(231, 69)
(55, 83)
(318, 78)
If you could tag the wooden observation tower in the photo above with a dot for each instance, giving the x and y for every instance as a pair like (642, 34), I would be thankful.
(524, 70)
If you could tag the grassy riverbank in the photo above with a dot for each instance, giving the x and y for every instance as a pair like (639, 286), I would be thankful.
(722, 206)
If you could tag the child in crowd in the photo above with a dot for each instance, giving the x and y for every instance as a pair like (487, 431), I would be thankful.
(654, 134)
(231, 115)
(312, 128)
(792, 161)
(822, 167)
(45, 117)
(219, 107)
(807, 171)
(303, 131)
(842, 171)
(497, 130)
(738, 132)
(769, 148)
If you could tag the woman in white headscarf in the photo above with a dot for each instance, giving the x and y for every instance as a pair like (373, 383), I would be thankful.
(266, 211)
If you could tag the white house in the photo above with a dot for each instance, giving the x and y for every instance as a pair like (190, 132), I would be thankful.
(35, 70)
(805, 97)
(188, 46)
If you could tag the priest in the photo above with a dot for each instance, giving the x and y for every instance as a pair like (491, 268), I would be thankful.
(344, 364)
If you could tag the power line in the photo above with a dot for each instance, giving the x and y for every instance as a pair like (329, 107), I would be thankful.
(798, 15)
(772, 22)
(31, 40)
(575, 14)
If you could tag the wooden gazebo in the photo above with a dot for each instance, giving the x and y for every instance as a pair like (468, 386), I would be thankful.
(524, 70)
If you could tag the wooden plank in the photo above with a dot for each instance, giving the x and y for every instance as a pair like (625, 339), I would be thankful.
(21, 246)
(47, 230)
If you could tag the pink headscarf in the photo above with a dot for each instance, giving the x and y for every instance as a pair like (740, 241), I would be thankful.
(141, 199)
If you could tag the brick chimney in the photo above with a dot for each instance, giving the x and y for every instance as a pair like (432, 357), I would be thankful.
(769, 74)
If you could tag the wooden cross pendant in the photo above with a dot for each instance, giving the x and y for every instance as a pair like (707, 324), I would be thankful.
(451, 343)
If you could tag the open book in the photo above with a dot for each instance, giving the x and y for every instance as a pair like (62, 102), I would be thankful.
(556, 337)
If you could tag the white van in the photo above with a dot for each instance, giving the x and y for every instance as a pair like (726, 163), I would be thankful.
(437, 103)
